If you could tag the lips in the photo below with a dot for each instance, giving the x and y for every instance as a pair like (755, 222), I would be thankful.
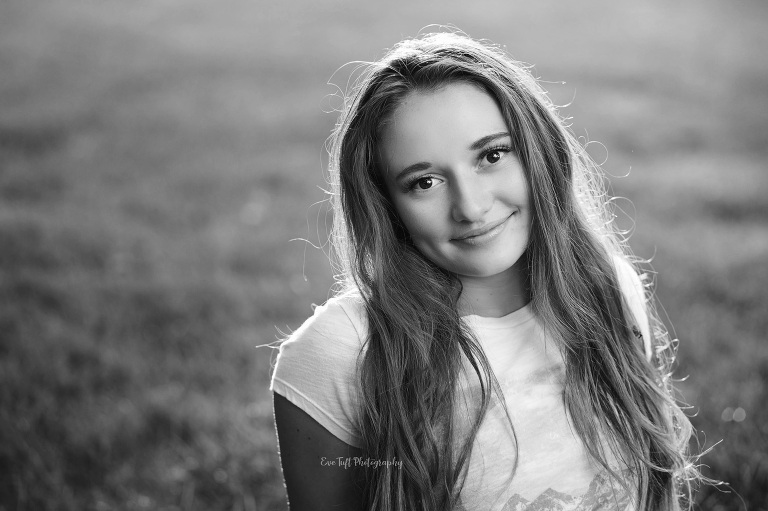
(479, 232)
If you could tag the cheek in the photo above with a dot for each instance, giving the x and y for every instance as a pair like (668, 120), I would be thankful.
(422, 221)
(514, 185)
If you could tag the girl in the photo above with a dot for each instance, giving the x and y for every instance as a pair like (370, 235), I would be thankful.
(491, 347)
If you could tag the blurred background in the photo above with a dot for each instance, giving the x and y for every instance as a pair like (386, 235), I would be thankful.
(157, 158)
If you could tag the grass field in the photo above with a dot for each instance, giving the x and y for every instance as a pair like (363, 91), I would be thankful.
(156, 159)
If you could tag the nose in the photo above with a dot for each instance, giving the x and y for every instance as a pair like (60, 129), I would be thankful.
(471, 200)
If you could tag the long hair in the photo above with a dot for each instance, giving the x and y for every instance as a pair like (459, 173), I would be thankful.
(417, 343)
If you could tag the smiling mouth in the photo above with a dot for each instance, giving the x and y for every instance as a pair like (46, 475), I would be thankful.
(485, 233)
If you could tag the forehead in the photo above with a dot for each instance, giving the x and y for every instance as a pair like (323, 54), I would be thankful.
(428, 125)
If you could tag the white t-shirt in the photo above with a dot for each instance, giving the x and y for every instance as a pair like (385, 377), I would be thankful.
(316, 371)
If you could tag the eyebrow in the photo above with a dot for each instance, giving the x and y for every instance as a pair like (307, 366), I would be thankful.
(476, 145)
(482, 142)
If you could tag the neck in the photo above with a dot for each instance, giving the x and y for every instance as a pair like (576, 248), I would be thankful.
(497, 295)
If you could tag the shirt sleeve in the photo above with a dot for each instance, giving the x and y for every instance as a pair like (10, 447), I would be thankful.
(316, 368)
(634, 293)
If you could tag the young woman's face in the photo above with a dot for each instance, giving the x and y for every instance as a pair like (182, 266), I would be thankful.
(454, 180)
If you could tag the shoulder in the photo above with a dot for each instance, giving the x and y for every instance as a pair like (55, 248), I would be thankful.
(633, 290)
(630, 281)
(339, 322)
(317, 366)
(334, 335)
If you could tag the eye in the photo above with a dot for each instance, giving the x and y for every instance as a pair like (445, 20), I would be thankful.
(421, 184)
(493, 156)
(425, 183)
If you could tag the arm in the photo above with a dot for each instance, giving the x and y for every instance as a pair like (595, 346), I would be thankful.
(303, 443)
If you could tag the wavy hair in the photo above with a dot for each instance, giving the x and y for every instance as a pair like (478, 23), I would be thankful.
(417, 342)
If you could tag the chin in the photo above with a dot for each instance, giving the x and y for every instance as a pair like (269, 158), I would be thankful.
(488, 269)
